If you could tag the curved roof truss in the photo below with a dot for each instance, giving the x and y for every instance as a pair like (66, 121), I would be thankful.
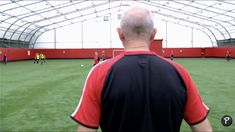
(27, 20)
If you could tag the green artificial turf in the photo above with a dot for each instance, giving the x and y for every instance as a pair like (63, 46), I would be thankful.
(35, 97)
(215, 80)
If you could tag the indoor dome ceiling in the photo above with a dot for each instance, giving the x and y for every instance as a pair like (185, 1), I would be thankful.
(25, 20)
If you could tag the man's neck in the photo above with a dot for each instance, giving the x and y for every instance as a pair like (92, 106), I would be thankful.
(136, 46)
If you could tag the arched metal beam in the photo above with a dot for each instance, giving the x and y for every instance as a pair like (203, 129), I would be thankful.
(39, 36)
(184, 13)
(9, 9)
(207, 10)
(176, 18)
(33, 43)
(207, 36)
(196, 29)
(60, 15)
(188, 14)
(35, 33)
(212, 12)
(16, 31)
(9, 28)
(18, 19)
(6, 4)
(65, 20)
(204, 18)
(20, 6)
(24, 24)
(31, 14)
(73, 23)
(36, 13)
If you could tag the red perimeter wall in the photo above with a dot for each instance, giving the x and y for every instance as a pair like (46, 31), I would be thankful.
(75, 53)
(17, 54)
(219, 52)
(199, 52)
(183, 52)
(26, 54)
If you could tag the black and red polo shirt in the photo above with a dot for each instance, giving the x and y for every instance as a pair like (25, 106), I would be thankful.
(139, 91)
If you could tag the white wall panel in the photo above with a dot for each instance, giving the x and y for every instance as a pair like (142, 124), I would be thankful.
(98, 34)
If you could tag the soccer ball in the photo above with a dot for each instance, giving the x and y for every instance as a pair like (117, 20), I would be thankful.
(82, 65)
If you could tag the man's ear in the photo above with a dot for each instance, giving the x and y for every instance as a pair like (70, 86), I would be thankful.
(120, 34)
(153, 33)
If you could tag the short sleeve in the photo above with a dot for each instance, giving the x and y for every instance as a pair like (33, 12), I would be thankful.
(87, 112)
(195, 110)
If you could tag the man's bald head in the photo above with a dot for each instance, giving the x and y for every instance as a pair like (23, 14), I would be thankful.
(137, 23)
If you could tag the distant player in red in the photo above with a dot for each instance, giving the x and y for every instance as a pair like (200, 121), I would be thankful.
(228, 56)
(103, 56)
(172, 55)
(4, 59)
(96, 59)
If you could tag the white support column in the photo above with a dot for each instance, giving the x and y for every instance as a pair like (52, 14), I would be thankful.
(55, 38)
(110, 30)
(192, 37)
(82, 33)
(166, 34)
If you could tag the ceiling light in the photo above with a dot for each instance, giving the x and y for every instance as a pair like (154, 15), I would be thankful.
(106, 18)
(119, 16)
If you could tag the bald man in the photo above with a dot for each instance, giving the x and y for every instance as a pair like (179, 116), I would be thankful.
(139, 91)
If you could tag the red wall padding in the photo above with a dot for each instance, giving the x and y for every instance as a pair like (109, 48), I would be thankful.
(219, 52)
(183, 52)
(23, 54)
(75, 53)
(16, 53)
(156, 46)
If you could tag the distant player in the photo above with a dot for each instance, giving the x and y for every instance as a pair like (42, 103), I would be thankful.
(4, 59)
(42, 58)
(96, 58)
(103, 56)
(36, 58)
(228, 56)
(172, 56)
